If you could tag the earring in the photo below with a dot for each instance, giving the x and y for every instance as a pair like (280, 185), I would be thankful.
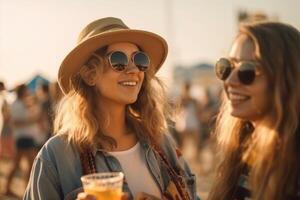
(91, 82)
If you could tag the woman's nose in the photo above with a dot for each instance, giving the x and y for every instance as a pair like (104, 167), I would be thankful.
(132, 68)
(232, 79)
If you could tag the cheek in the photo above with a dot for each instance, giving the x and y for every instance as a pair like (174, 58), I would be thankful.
(106, 82)
(263, 99)
(142, 76)
(262, 102)
(225, 89)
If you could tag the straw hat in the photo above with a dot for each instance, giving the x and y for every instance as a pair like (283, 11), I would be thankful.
(103, 32)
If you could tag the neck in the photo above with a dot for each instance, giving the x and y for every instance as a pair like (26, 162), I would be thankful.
(265, 122)
(116, 127)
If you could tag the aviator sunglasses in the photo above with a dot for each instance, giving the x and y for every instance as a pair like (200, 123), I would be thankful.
(119, 61)
(246, 73)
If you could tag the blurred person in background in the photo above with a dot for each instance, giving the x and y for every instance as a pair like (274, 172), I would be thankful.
(24, 122)
(188, 123)
(35, 110)
(56, 95)
(47, 112)
(2, 102)
(7, 146)
(258, 128)
(114, 113)
(209, 106)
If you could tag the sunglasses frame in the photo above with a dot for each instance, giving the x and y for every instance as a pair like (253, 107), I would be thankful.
(141, 68)
(245, 76)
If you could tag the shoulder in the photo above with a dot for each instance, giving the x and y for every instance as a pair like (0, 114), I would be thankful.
(58, 168)
(58, 149)
(169, 147)
(57, 141)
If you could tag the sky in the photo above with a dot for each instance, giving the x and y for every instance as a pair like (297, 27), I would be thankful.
(36, 35)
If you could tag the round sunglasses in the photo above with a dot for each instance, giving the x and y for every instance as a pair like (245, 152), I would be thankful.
(119, 61)
(246, 73)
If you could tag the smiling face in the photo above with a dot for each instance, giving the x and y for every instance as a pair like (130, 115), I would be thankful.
(249, 102)
(123, 87)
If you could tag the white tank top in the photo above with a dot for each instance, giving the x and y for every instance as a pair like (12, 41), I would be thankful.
(136, 171)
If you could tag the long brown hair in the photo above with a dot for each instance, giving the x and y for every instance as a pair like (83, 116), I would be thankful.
(79, 118)
(272, 154)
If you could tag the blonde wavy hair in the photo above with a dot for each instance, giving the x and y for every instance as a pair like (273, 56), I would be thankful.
(79, 118)
(272, 154)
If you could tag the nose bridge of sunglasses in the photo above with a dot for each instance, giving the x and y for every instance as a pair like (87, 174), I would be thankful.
(233, 75)
(132, 67)
(140, 60)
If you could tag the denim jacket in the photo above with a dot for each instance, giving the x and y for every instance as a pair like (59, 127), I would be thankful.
(57, 169)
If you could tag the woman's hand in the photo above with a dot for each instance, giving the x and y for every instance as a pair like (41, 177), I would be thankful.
(85, 196)
(145, 196)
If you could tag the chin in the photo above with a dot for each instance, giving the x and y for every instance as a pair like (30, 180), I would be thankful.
(245, 116)
(129, 101)
(132, 101)
(239, 115)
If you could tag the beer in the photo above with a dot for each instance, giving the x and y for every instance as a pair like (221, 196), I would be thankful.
(104, 193)
(104, 186)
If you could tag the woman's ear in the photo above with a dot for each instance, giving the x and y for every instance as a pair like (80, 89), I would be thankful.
(88, 75)
(90, 71)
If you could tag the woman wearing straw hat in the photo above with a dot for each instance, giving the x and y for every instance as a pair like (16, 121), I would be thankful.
(112, 118)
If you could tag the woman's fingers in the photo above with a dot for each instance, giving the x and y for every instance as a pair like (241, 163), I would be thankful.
(84, 196)
(125, 196)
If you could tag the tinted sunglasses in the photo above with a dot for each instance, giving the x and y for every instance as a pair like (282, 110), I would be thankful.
(119, 61)
(247, 70)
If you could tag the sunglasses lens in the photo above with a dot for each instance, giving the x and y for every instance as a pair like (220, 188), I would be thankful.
(223, 68)
(247, 73)
(142, 61)
(118, 60)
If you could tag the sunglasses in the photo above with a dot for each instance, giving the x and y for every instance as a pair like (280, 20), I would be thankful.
(119, 61)
(247, 70)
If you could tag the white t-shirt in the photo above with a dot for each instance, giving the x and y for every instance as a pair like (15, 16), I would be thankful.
(191, 120)
(20, 112)
(188, 120)
(136, 171)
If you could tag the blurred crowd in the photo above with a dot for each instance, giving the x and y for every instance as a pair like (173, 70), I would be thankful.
(196, 117)
(26, 123)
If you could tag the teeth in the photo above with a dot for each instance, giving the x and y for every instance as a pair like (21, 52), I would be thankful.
(237, 97)
(130, 83)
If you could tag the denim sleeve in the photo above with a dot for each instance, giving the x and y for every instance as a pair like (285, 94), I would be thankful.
(190, 178)
(43, 183)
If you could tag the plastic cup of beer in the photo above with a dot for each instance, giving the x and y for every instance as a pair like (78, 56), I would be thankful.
(104, 186)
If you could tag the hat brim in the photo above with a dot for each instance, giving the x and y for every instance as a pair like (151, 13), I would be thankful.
(151, 43)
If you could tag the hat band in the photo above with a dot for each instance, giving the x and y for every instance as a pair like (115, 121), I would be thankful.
(99, 30)
(112, 26)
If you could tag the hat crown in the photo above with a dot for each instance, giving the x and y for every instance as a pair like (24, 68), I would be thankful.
(101, 26)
